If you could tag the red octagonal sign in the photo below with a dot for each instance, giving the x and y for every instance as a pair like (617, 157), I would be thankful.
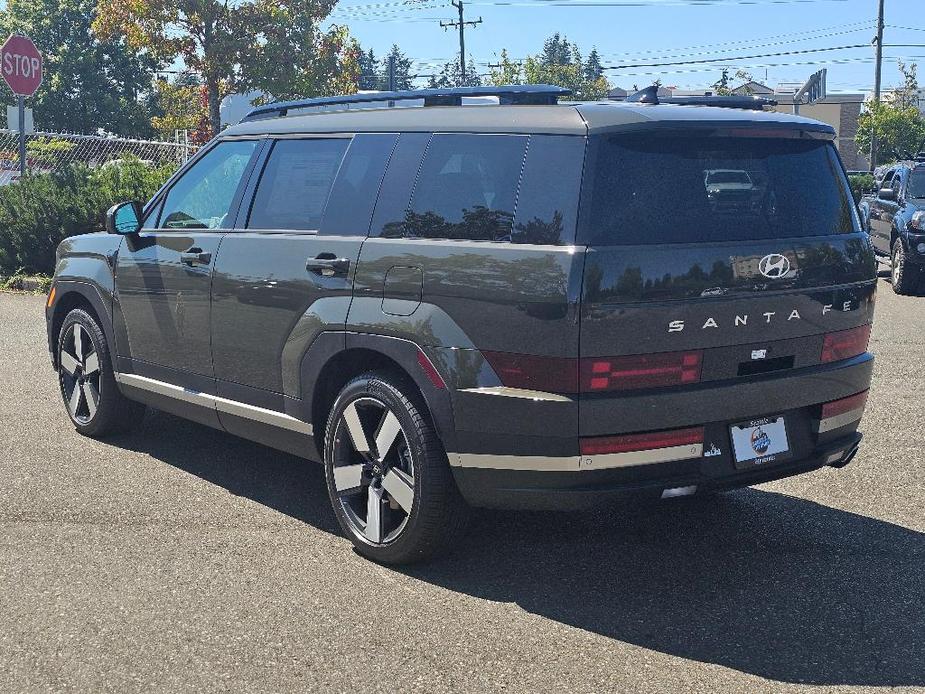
(21, 65)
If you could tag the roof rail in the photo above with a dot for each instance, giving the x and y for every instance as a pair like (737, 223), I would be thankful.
(517, 94)
(649, 95)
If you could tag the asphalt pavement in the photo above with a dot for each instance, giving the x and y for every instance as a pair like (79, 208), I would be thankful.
(179, 558)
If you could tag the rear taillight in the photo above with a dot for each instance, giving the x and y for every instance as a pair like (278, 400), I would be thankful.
(845, 344)
(640, 371)
(840, 407)
(596, 374)
(629, 443)
(553, 374)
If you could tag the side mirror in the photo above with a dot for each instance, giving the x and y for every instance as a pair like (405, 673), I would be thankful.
(124, 218)
(886, 194)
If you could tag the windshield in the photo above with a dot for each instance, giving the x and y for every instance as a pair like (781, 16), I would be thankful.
(916, 186)
(658, 189)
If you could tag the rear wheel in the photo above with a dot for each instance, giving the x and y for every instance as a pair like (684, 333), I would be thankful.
(88, 386)
(905, 277)
(387, 474)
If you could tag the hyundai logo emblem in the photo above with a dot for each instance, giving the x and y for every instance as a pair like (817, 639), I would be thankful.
(774, 265)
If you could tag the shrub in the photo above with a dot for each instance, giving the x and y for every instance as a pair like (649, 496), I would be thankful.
(39, 211)
(861, 184)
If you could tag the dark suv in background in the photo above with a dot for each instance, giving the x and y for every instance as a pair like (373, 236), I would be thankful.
(524, 305)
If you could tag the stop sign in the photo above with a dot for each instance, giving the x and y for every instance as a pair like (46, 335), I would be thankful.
(21, 65)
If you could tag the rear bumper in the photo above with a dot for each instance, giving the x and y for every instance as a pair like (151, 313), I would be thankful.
(526, 453)
(524, 489)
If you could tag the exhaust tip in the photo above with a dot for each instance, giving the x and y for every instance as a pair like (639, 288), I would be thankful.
(679, 491)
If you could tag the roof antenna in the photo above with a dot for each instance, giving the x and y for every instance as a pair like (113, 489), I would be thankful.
(649, 95)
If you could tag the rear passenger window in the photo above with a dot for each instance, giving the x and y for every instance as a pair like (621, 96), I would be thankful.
(466, 189)
(295, 183)
(547, 205)
(350, 205)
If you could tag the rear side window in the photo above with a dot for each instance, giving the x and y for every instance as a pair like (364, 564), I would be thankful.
(651, 189)
(547, 205)
(295, 183)
(915, 188)
(353, 197)
(466, 189)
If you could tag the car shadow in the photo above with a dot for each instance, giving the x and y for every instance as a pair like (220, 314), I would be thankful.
(757, 581)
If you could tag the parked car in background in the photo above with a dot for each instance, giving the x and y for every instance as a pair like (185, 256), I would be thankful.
(896, 220)
(522, 305)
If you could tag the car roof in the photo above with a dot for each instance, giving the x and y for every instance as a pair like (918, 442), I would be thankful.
(574, 118)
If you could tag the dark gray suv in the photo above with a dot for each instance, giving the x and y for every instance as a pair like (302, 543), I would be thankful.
(530, 304)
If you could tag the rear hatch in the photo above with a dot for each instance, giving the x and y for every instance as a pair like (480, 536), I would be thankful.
(712, 259)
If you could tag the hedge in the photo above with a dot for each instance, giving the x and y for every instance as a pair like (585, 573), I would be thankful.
(38, 211)
(861, 185)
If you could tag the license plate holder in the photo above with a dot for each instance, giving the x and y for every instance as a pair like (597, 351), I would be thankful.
(760, 442)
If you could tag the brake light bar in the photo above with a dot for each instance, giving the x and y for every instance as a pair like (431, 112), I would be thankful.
(642, 449)
(845, 344)
(640, 371)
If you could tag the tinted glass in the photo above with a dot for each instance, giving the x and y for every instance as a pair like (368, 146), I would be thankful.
(398, 183)
(295, 184)
(915, 188)
(353, 197)
(547, 205)
(202, 198)
(466, 189)
(701, 190)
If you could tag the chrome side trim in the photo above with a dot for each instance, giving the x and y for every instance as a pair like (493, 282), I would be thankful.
(232, 407)
(263, 415)
(839, 420)
(539, 463)
(517, 393)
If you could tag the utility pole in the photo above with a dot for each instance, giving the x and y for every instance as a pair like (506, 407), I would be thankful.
(391, 73)
(877, 70)
(462, 23)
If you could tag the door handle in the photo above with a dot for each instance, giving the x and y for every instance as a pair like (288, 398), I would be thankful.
(328, 265)
(195, 256)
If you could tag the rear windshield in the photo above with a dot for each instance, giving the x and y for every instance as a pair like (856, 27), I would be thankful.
(916, 186)
(657, 189)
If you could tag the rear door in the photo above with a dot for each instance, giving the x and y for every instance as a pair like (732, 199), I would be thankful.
(879, 217)
(286, 273)
(724, 286)
(164, 273)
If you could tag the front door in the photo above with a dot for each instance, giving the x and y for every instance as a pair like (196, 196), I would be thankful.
(164, 273)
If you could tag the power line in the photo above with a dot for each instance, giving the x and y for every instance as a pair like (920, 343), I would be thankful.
(461, 25)
(740, 57)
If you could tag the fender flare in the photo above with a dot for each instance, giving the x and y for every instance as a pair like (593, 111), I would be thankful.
(91, 294)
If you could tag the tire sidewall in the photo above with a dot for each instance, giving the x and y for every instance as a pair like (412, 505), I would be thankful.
(107, 380)
(388, 391)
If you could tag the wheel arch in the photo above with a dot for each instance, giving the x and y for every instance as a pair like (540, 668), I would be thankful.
(334, 359)
(68, 296)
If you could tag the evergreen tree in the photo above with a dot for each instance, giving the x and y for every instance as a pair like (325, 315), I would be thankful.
(369, 71)
(403, 77)
(450, 76)
(593, 68)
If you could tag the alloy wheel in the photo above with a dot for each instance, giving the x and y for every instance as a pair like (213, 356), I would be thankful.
(373, 471)
(79, 374)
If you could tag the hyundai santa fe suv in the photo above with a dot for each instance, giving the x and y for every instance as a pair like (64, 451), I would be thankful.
(529, 304)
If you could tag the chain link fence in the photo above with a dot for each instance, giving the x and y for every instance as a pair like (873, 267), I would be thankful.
(48, 152)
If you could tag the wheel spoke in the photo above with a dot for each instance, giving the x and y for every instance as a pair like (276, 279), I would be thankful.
(347, 478)
(91, 364)
(68, 363)
(389, 428)
(374, 519)
(91, 396)
(78, 343)
(400, 486)
(74, 403)
(355, 427)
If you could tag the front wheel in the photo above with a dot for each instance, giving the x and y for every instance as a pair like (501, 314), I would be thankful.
(88, 385)
(387, 473)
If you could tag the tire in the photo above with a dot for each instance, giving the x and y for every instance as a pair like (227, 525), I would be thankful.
(905, 278)
(85, 375)
(402, 506)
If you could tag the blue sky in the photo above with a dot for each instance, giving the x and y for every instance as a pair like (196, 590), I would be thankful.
(657, 31)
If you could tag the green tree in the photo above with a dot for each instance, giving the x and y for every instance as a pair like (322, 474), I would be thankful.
(507, 71)
(900, 131)
(450, 75)
(276, 46)
(89, 84)
(370, 77)
(403, 77)
(721, 86)
(178, 105)
(560, 63)
(593, 68)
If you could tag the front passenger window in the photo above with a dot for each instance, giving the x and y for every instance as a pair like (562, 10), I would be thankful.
(202, 198)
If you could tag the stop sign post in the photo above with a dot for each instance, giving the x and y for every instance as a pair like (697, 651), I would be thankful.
(21, 67)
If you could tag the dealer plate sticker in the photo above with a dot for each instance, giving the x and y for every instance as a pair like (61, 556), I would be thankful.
(760, 441)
